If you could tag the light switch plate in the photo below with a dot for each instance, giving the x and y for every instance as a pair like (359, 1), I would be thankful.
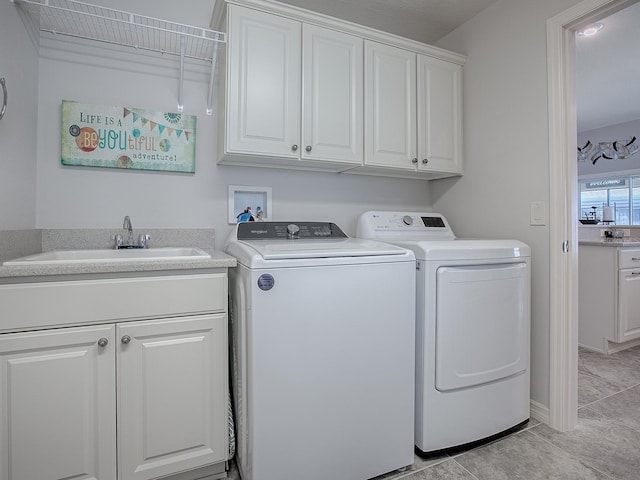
(537, 213)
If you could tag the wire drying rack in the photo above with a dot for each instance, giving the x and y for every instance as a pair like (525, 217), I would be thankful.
(83, 20)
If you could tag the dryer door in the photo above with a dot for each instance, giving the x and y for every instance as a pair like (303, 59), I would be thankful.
(482, 324)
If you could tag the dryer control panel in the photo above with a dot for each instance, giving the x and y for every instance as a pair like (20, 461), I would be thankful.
(406, 225)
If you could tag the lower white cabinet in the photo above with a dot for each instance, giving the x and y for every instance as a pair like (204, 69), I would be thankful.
(58, 404)
(171, 409)
(629, 303)
(609, 297)
(124, 400)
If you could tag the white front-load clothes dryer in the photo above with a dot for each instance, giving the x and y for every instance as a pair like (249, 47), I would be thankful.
(323, 339)
(472, 329)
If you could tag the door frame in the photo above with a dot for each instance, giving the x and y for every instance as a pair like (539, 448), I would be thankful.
(563, 204)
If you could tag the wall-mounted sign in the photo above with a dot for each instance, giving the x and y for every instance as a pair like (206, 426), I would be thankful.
(124, 137)
(609, 183)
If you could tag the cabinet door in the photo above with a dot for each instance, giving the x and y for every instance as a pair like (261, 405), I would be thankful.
(263, 84)
(332, 72)
(58, 405)
(390, 106)
(628, 325)
(172, 393)
(439, 115)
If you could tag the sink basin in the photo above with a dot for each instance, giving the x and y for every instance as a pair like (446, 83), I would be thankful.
(67, 257)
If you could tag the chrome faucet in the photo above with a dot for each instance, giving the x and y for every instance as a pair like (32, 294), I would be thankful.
(143, 238)
(127, 226)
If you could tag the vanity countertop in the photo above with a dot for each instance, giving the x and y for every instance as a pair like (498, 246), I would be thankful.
(612, 242)
(218, 260)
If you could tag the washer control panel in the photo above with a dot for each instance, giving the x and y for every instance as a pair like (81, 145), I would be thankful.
(424, 225)
(288, 230)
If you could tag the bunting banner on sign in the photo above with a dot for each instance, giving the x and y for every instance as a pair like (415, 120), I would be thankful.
(125, 137)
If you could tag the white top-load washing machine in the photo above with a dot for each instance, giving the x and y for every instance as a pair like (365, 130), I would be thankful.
(323, 331)
(472, 328)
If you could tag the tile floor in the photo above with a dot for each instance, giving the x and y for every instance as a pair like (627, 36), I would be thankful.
(605, 445)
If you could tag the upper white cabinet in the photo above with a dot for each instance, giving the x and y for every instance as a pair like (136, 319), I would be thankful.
(294, 95)
(413, 114)
(307, 91)
(263, 81)
(439, 115)
(332, 71)
(390, 104)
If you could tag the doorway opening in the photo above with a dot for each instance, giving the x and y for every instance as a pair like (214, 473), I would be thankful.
(563, 334)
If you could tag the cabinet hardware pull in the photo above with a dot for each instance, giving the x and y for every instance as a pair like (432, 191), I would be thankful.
(635, 259)
(414, 160)
(308, 149)
(3, 110)
(125, 339)
(635, 273)
(425, 161)
(103, 342)
(294, 148)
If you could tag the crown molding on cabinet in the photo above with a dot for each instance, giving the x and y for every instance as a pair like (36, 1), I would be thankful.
(218, 22)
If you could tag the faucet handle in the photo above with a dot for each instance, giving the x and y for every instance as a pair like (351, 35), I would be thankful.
(143, 240)
(118, 240)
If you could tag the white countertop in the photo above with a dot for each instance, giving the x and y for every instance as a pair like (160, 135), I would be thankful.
(612, 242)
(218, 260)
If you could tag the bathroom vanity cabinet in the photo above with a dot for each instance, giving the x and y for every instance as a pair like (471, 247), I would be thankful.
(609, 297)
(111, 377)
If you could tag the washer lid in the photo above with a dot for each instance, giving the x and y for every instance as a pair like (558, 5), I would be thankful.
(346, 247)
(256, 244)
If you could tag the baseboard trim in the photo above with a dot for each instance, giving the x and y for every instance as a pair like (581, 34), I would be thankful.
(613, 347)
(539, 412)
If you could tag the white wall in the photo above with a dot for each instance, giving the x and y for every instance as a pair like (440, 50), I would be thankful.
(506, 145)
(18, 128)
(506, 153)
(86, 197)
(620, 131)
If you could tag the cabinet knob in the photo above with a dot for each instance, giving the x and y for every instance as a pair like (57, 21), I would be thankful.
(308, 148)
(125, 339)
(294, 148)
(425, 161)
(103, 342)
(414, 160)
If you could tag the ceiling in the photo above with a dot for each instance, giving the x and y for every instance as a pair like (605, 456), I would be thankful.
(608, 72)
(423, 20)
(607, 69)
